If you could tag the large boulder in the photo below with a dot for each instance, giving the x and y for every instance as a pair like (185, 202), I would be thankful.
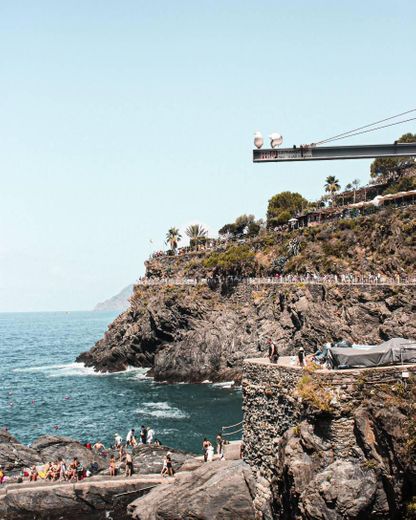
(51, 447)
(14, 456)
(148, 458)
(218, 490)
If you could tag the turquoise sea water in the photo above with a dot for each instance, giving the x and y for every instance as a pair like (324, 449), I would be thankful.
(43, 391)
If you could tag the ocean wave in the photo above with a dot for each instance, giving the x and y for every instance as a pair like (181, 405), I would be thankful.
(161, 410)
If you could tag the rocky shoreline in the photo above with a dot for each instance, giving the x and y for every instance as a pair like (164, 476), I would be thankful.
(197, 489)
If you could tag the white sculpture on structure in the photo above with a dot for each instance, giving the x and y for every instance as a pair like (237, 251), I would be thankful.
(275, 140)
(258, 140)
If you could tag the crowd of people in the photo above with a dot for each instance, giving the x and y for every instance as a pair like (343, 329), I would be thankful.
(118, 455)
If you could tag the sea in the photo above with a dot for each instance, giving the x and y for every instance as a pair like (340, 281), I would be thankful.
(44, 392)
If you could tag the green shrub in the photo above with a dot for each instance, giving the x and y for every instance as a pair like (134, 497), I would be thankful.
(236, 259)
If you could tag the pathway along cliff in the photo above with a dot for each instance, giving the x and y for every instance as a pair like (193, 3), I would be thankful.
(195, 333)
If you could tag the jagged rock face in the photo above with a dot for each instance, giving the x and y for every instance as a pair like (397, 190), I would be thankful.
(330, 445)
(347, 467)
(194, 333)
(14, 455)
(218, 490)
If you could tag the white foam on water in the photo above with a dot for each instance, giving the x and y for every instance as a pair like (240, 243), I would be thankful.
(224, 384)
(77, 369)
(206, 381)
(161, 409)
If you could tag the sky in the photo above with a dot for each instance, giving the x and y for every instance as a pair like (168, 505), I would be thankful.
(121, 119)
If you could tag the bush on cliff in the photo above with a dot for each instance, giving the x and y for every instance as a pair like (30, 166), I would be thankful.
(235, 260)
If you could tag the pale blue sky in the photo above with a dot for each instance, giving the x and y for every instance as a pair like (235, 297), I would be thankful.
(121, 119)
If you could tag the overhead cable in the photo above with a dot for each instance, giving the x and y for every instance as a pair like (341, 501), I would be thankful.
(373, 129)
(347, 134)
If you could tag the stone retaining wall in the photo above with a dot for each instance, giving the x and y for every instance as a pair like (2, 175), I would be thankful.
(272, 404)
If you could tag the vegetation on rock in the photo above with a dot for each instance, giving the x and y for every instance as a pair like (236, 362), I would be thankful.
(284, 206)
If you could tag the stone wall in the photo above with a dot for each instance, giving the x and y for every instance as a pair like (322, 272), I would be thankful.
(279, 398)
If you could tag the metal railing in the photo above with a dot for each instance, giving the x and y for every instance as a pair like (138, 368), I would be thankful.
(372, 280)
(238, 425)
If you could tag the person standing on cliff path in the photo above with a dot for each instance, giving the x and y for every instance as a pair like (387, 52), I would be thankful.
(273, 352)
(301, 357)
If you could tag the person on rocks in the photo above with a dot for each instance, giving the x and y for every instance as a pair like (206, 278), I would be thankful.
(143, 434)
(117, 441)
(112, 467)
(99, 446)
(2, 475)
(164, 471)
(169, 466)
(131, 439)
(220, 445)
(33, 475)
(150, 435)
(205, 445)
(273, 352)
(210, 453)
(63, 470)
(301, 356)
(80, 471)
(129, 464)
(121, 452)
(74, 469)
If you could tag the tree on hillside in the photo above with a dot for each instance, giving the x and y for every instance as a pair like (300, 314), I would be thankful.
(244, 225)
(332, 185)
(385, 168)
(196, 233)
(283, 206)
(173, 237)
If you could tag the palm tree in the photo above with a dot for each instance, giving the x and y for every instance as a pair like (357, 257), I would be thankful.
(348, 187)
(356, 185)
(173, 237)
(196, 233)
(332, 185)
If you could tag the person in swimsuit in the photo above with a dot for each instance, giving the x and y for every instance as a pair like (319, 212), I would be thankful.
(169, 465)
(205, 446)
(112, 467)
(129, 465)
(33, 475)
(165, 467)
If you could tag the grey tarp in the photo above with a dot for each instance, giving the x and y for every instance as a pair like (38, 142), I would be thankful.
(393, 352)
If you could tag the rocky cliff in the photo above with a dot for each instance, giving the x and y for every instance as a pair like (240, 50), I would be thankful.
(193, 333)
